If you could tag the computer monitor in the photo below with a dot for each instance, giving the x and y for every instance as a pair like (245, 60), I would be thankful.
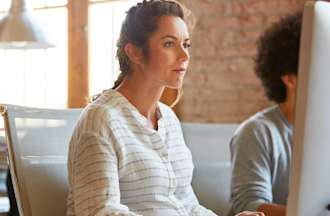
(309, 189)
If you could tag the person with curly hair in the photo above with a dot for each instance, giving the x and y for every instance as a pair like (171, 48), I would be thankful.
(261, 148)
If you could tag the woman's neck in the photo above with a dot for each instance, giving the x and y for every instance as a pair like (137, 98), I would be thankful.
(143, 96)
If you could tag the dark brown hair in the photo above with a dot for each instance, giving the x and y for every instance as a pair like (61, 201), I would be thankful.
(140, 23)
(278, 54)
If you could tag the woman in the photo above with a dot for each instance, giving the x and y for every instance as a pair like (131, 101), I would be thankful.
(127, 154)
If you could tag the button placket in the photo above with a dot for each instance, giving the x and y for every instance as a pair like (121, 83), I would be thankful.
(158, 144)
(161, 148)
(158, 139)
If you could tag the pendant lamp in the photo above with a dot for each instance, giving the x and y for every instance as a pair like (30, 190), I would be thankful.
(19, 30)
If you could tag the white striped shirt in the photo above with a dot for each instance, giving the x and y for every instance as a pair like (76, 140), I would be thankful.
(119, 166)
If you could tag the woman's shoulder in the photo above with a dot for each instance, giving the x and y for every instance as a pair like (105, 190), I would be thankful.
(99, 113)
(107, 103)
(166, 111)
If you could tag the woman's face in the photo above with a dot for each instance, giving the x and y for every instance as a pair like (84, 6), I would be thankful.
(168, 55)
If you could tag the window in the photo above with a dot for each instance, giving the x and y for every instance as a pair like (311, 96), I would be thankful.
(35, 77)
(105, 19)
(38, 77)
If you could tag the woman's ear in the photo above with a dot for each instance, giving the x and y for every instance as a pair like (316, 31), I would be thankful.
(134, 53)
(290, 80)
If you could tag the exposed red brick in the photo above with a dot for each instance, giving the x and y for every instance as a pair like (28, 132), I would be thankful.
(220, 85)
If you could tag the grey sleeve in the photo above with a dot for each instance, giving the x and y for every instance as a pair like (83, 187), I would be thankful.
(251, 167)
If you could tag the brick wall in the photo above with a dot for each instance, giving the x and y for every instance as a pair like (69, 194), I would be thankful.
(220, 85)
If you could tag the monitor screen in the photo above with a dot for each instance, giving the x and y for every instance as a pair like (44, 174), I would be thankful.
(310, 176)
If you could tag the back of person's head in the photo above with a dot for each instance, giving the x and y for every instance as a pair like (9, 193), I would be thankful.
(140, 23)
(278, 55)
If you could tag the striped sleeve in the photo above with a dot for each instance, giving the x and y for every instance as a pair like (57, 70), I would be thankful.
(196, 208)
(95, 181)
(190, 200)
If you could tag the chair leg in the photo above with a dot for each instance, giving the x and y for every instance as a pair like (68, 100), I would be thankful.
(11, 195)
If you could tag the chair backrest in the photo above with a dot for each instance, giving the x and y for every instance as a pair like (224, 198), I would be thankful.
(38, 146)
(209, 145)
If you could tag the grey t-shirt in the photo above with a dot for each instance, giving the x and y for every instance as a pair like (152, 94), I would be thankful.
(261, 156)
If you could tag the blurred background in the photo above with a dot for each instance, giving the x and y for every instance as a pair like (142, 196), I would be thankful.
(220, 86)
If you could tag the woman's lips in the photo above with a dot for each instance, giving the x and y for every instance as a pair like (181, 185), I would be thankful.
(180, 71)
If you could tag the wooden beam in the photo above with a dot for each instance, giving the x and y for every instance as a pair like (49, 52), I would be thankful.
(78, 53)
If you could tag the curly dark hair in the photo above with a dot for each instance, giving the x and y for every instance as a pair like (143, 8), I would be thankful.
(278, 54)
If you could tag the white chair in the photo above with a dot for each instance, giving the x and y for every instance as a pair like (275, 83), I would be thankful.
(209, 145)
(38, 145)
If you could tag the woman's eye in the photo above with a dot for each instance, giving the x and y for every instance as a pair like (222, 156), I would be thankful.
(169, 44)
(186, 45)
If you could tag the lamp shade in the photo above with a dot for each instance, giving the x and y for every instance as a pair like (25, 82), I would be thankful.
(19, 30)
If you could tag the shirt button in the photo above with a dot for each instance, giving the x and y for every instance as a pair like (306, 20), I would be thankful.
(164, 156)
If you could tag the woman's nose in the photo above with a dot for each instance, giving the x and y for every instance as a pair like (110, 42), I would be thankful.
(184, 54)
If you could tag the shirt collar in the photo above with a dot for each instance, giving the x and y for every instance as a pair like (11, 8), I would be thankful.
(134, 111)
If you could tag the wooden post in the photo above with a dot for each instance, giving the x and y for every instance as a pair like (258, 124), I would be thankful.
(78, 53)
